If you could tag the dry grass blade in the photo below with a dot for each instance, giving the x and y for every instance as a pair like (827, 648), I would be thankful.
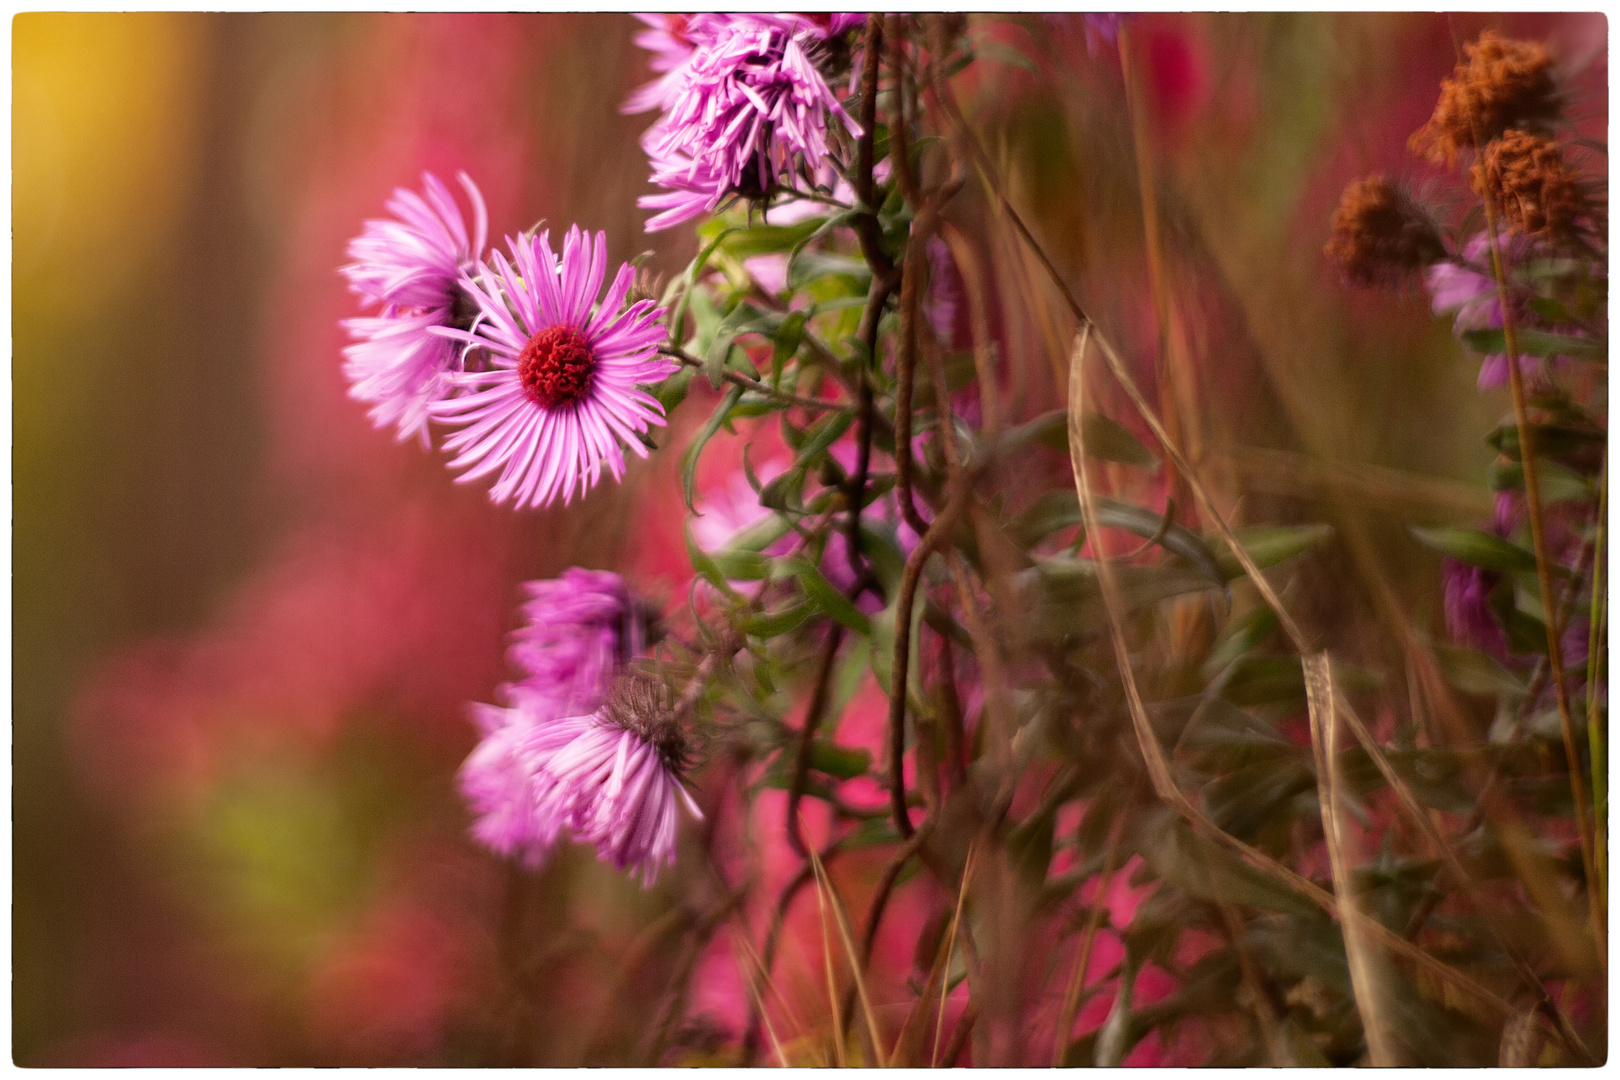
(823, 885)
(832, 978)
(950, 947)
(751, 978)
(1409, 803)
(1077, 978)
(1366, 973)
(1153, 754)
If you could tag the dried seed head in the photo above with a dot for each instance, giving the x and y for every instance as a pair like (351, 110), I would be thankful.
(1379, 233)
(1505, 84)
(642, 703)
(1537, 191)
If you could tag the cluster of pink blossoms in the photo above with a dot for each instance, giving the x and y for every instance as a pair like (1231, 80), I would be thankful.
(582, 747)
(745, 107)
(541, 379)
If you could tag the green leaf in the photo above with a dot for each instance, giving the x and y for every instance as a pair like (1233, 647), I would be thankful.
(823, 434)
(1536, 343)
(1269, 545)
(704, 565)
(760, 535)
(1199, 867)
(1003, 53)
(672, 391)
(844, 762)
(776, 623)
(1061, 509)
(783, 491)
(1476, 548)
(1475, 673)
(1557, 482)
(719, 350)
(689, 460)
(788, 338)
(1108, 440)
(1551, 440)
(820, 592)
(767, 239)
(742, 565)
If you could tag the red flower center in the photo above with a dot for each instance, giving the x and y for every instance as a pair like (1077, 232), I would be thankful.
(555, 367)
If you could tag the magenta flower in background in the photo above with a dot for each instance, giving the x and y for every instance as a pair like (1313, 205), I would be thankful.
(409, 266)
(612, 777)
(560, 399)
(749, 109)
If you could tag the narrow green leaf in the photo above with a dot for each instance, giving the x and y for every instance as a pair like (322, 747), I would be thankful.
(1476, 548)
(1536, 343)
(689, 461)
(788, 338)
(704, 565)
(768, 239)
(776, 623)
(1108, 440)
(820, 592)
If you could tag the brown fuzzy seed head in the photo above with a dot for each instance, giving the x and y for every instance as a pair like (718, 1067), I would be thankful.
(642, 703)
(1504, 84)
(1379, 233)
(1536, 190)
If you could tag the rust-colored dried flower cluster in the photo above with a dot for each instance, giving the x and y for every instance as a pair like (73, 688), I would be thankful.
(1380, 233)
(1534, 187)
(1504, 84)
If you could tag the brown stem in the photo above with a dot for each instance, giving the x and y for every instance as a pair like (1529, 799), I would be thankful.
(1538, 539)
(737, 378)
(807, 733)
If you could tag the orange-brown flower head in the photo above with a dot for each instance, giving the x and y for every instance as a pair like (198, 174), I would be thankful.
(1505, 84)
(1379, 233)
(1537, 191)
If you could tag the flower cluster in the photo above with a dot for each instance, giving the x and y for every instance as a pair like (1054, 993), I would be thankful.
(1378, 231)
(584, 746)
(543, 385)
(745, 107)
(1504, 84)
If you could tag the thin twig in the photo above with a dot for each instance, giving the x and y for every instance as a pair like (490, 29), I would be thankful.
(737, 378)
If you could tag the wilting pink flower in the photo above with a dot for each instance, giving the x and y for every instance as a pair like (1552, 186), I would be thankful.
(498, 781)
(578, 630)
(749, 109)
(560, 399)
(409, 265)
(612, 777)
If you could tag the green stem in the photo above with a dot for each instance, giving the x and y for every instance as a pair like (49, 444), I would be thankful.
(1555, 652)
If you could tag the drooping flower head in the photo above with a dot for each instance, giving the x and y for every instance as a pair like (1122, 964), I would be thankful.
(613, 777)
(748, 110)
(409, 267)
(578, 631)
(498, 782)
(559, 400)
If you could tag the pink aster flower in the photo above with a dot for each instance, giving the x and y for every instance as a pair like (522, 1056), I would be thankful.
(749, 109)
(578, 630)
(612, 777)
(560, 398)
(409, 266)
(498, 782)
